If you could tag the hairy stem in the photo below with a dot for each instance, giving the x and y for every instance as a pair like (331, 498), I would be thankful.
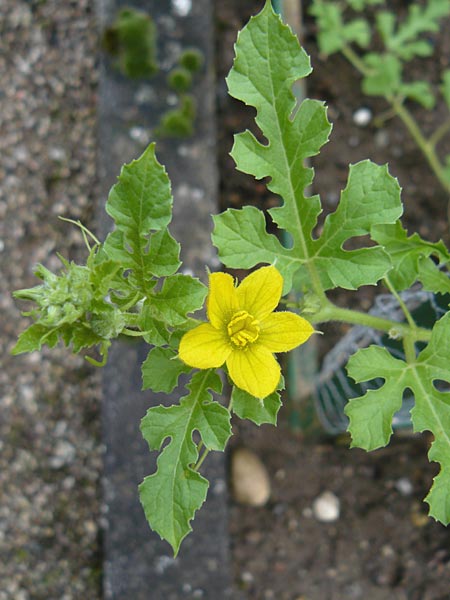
(400, 301)
(410, 349)
(427, 147)
(439, 133)
(330, 312)
(354, 59)
(199, 463)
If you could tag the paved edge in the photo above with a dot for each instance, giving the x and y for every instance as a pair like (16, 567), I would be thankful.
(137, 564)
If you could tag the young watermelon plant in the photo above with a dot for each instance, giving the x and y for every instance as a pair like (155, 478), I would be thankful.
(131, 285)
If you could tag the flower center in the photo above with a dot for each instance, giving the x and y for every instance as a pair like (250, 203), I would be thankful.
(243, 329)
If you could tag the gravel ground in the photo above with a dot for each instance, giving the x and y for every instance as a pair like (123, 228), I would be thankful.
(50, 452)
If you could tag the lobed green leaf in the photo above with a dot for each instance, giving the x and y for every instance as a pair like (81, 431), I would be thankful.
(409, 255)
(161, 370)
(268, 61)
(171, 496)
(334, 34)
(33, 338)
(258, 410)
(371, 415)
(371, 196)
(180, 294)
(362, 4)
(141, 203)
(401, 39)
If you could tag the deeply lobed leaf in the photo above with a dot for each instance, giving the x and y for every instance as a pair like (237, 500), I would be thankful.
(264, 80)
(141, 206)
(161, 370)
(334, 34)
(410, 258)
(171, 496)
(371, 415)
(371, 196)
(401, 39)
(258, 410)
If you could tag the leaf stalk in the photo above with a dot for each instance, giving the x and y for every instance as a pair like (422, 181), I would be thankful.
(331, 312)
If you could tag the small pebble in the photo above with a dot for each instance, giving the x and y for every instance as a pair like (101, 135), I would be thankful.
(139, 134)
(404, 486)
(182, 7)
(280, 474)
(249, 478)
(63, 455)
(57, 154)
(163, 562)
(326, 507)
(247, 577)
(381, 138)
(362, 116)
(307, 512)
(332, 198)
(145, 95)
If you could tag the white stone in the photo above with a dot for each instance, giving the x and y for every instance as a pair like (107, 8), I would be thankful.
(63, 455)
(247, 577)
(362, 116)
(326, 507)
(182, 7)
(139, 134)
(404, 486)
(249, 478)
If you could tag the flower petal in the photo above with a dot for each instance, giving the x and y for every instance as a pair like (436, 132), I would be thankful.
(222, 300)
(204, 347)
(260, 292)
(282, 331)
(254, 370)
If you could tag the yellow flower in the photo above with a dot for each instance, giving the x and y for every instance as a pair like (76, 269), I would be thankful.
(244, 332)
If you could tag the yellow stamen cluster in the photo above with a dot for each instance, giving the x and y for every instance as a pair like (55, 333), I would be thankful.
(243, 329)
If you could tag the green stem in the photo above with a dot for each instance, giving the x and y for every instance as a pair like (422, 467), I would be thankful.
(410, 350)
(103, 353)
(386, 115)
(84, 229)
(133, 333)
(427, 147)
(132, 302)
(400, 301)
(354, 59)
(330, 312)
(439, 133)
(199, 463)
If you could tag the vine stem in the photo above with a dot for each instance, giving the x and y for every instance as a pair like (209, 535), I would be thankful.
(330, 312)
(427, 147)
(134, 333)
(400, 301)
(410, 350)
(199, 463)
(439, 133)
(408, 342)
(354, 59)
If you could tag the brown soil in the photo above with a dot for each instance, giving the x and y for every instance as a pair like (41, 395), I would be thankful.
(383, 546)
